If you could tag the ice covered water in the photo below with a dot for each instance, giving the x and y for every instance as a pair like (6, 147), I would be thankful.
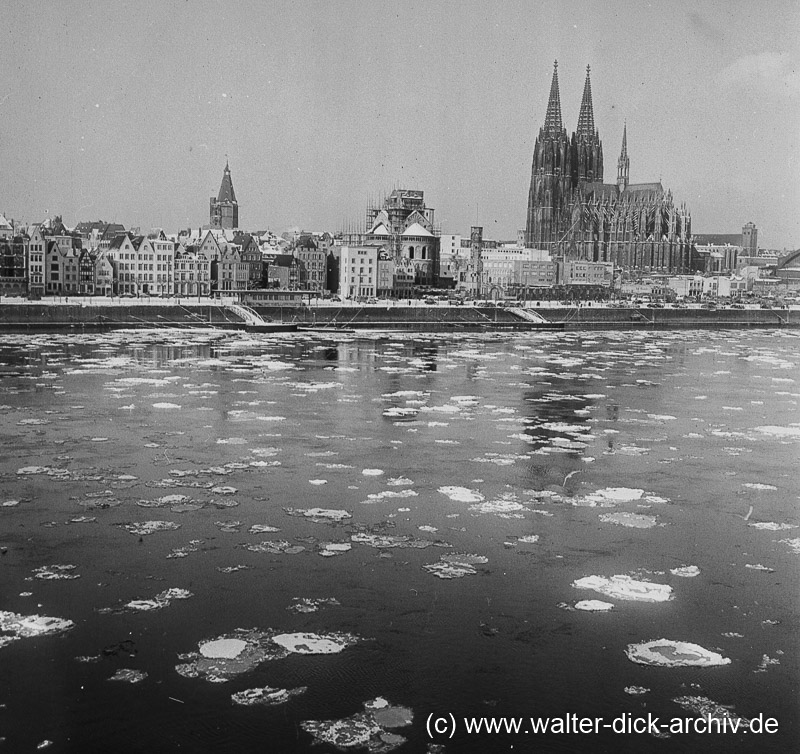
(469, 482)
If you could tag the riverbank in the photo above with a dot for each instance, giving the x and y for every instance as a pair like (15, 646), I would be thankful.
(96, 314)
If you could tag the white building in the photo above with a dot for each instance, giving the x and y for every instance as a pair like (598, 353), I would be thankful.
(156, 257)
(358, 271)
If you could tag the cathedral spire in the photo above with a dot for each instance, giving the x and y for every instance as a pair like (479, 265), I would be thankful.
(586, 117)
(552, 120)
(623, 164)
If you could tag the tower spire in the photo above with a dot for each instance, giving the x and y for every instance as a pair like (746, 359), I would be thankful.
(586, 117)
(623, 164)
(552, 120)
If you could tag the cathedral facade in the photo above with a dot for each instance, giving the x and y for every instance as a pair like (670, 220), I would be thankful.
(573, 214)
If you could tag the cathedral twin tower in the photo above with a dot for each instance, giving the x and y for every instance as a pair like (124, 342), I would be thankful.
(573, 214)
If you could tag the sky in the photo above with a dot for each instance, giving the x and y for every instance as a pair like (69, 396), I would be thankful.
(127, 111)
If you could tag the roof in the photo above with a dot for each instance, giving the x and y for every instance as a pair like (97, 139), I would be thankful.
(717, 239)
(379, 230)
(416, 230)
(640, 188)
(117, 241)
(284, 260)
(600, 190)
(790, 260)
(112, 229)
(226, 193)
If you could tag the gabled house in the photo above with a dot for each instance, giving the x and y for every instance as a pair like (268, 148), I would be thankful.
(192, 271)
(13, 260)
(62, 265)
(228, 273)
(251, 258)
(36, 248)
(285, 271)
(103, 274)
(155, 259)
(86, 273)
(313, 258)
(122, 255)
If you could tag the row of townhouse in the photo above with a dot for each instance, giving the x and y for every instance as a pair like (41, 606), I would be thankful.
(47, 259)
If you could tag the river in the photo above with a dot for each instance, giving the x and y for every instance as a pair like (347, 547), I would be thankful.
(512, 465)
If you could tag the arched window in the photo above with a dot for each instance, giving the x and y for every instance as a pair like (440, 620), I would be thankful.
(424, 252)
(410, 252)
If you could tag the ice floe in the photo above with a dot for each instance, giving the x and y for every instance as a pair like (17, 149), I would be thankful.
(319, 515)
(631, 520)
(707, 709)
(455, 565)
(388, 494)
(315, 644)
(144, 528)
(370, 729)
(759, 567)
(625, 588)
(772, 526)
(794, 544)
(128, 675)
(56, 572)
(266, 696)
(686, 571)
(766, 662)
(399, 481)
(220, 659)
(636, 690)
(311, 605)
(331, 549)
(610, 496)
(790, 431)
(497, 506)
(376, 536)
(15, 626)
(256, 528)
(275, 547)
(594, 606)
(461, 494)
(226, 649)
(163, 599)
(668, 653)
(182, 552)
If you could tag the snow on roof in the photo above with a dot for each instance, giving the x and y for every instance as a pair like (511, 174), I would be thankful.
(416, 230)
(379, 230)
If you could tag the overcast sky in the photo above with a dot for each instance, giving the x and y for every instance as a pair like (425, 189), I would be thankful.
(125, 111)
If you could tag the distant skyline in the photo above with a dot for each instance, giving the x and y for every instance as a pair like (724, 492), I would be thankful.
(127, 111)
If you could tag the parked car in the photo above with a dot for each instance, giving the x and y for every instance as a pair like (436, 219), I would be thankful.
(430, 301)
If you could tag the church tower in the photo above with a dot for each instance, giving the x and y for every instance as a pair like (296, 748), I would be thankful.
(224, 210)
(623, 163)
(550, 176)
(587, 150)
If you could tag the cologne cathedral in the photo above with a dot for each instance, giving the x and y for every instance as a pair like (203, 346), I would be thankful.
(574, 215)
